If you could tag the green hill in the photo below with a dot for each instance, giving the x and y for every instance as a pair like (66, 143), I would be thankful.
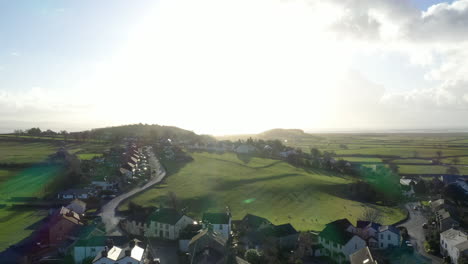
(268, 188)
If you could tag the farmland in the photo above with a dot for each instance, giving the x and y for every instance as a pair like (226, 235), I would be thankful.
(23, 175)
(412, 152)
(270, 188)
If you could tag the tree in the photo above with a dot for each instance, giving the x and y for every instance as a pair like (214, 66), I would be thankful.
(420, 188)
(314, 152)
(35, 131)
(452, 170)
(463, 259)
(393, 167)
(455, 160)
(172, 199)
(64, 133)
(252, 256)
(371, 215)
(439, 154)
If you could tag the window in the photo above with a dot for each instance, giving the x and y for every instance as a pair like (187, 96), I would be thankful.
(93, 250)
(355, 246)
(167, 233)
(381, 236)
(388, 237)
(220, 227)
(381, 244)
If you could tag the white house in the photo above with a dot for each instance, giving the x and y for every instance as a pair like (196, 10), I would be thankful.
(167, 223)
(453, 243)
(338, 241)
(220, 222)
(245, 149)
(388, 236)
(77, 206)
(91, 247)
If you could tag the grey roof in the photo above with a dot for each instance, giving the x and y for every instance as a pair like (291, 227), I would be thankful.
(216, 218)
(362, 256)
(389, 228)
(462, 246)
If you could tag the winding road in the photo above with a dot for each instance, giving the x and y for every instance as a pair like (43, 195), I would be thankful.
(107, 214)
(415, 230)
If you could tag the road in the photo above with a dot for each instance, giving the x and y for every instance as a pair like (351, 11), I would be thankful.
(108, 210)
(415, 230)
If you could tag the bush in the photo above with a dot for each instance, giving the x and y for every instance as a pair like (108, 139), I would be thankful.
(252, 256)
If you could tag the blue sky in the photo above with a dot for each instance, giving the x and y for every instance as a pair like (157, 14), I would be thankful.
(74, 64)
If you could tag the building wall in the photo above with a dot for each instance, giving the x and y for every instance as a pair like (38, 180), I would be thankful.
(388, 239)
(183, 222)
(448, 249)
(354, 244)
(80, 253)
(184, 245)
(59, 232)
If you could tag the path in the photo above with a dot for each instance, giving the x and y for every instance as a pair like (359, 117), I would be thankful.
(415, 230)
(108, 210)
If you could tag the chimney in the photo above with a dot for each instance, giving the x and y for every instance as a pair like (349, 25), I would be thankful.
(104, 252)
(128, 252)
(109, 242)
(131, 244)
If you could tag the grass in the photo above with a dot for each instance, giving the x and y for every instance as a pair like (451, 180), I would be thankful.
(88, 156)
(29, 179)
(463, 160)
(16, 225)
(434, 169)
(406, 161)
(361, 159)
(268, 188)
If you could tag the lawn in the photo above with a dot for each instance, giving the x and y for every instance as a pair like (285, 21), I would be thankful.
(406, 161)
(88, 156)
(432, 169)
(361, 159)
(268, 188)
(462, 160)
(25, 152)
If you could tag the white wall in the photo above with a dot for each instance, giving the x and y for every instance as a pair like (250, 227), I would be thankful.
(385, 242)
(80, 253)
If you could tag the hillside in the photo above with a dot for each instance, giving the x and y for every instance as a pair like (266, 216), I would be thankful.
(269, 188)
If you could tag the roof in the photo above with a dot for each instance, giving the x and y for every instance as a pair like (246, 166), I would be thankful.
(389, 228)
(284, 230)
(74, 191)
(254, 221)
(134, 251)
(437, 203)
(455, 236)
(362, 256)
(67, 214)
(77, 204)
(208, 239)
(365, 224)
(166, 216)
(336, 231)
(97, 241)
(190, 231)
(462, 246)
(216, 218)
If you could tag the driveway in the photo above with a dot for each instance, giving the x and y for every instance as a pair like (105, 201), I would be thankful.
(108, 210)
(414, 226)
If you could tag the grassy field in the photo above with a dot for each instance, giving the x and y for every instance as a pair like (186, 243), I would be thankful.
(88, 156)
(434, 169)
(360, 159)
(406, 161)
(269, 188)
(29, 179)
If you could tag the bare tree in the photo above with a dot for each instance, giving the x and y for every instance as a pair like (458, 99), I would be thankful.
(172, 199)
(439, 154)
(371, 215)
(455, 160)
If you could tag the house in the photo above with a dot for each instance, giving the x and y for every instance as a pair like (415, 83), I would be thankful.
(77, 206)
(445, 221)
(369, 232)
(252, 222)
(448, 178)
(62, 224)
(135, 224)
(104, 185)
(166, 223)
(338, 241)
(461, 183)
(133, 253)
(362, 256)
(245, 149)
(388, 236)
(187, 234)
(407, 187)
(285, 235)
(75, 194)
(208, 247)
(287, 153)
(90, 247)
(220, 222)
(454, 243)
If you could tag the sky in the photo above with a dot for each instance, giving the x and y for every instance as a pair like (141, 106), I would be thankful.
(228, 67)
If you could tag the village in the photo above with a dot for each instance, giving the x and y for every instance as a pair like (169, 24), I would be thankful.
(83, 227)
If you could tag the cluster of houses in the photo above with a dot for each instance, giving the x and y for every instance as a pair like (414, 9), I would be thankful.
(340, 239)
(134, 163)
(453, 239)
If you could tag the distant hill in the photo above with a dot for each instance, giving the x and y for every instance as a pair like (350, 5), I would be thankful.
(282, 133)
(149, 131)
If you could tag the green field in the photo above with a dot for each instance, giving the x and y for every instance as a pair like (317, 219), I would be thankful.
(269, 188)
(29, 179)
(88, 156)
(406, 161)
(360, 159)
(433, 169)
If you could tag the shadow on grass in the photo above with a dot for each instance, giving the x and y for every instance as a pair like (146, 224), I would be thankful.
(227, 185)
